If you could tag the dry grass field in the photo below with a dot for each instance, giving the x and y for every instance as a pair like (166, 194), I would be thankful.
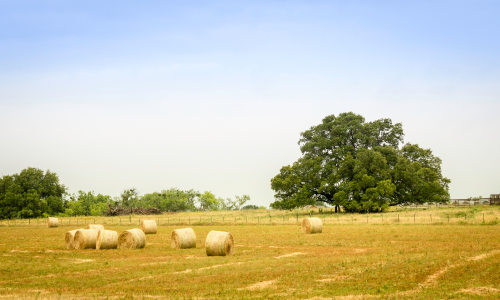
(354, 258)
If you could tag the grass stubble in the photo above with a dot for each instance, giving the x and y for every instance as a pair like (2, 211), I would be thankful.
(346, 261)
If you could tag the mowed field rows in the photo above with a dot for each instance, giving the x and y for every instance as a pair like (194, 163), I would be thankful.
(346, 261)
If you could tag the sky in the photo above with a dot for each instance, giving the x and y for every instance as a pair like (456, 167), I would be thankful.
(213, 95)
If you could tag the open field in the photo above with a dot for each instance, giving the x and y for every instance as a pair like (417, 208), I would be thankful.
(357, 260)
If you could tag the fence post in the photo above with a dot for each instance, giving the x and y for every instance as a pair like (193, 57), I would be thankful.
(366, 217)
(297, 217)
(483, 217)
(431, 217)
(465, 216)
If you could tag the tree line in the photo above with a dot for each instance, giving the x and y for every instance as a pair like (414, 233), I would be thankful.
(34, 193)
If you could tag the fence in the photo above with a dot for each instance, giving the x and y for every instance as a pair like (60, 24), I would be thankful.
(407, 216)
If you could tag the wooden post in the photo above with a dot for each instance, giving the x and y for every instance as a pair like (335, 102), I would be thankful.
(297, 217)
(431, 217)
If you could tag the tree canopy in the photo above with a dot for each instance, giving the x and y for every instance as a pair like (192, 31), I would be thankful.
(31, 193)
(360, 166)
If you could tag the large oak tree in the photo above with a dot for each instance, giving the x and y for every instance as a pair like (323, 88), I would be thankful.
(360, 166)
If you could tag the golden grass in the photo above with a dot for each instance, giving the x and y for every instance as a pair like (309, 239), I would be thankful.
(347, 261)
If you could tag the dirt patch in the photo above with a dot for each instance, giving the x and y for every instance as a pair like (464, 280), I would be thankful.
(218, 266)
(483, 256)
(182, 272)
(480, 291)
(81, 261)
(20, 251)
(335, 278)
(432, 279)
(291, 254)
(261, 285)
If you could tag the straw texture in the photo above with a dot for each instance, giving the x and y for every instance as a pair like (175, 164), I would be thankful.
(52, 222)
(219, 243)
(132, 239)
(95, 226)
(69, 238)
(312, 225)
(85, 239)
(106, 239)
(183, 238)
(148, 226)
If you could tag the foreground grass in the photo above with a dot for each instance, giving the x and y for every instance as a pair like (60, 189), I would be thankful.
(346, 261)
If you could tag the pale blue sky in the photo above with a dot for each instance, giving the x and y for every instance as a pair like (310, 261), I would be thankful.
(213, 95)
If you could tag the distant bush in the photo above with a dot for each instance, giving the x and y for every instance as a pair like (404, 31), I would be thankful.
(250, 206)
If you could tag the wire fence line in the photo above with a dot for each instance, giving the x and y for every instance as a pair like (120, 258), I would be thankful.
(438, 216)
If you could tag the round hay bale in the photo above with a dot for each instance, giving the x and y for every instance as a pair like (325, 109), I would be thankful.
(95, 226)
(132, 239)
(106, 239)
(148, 226)
(183, 238)
(219, 243)
(70, 239)
(85, 239)
(52, 222)
(312, 225)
